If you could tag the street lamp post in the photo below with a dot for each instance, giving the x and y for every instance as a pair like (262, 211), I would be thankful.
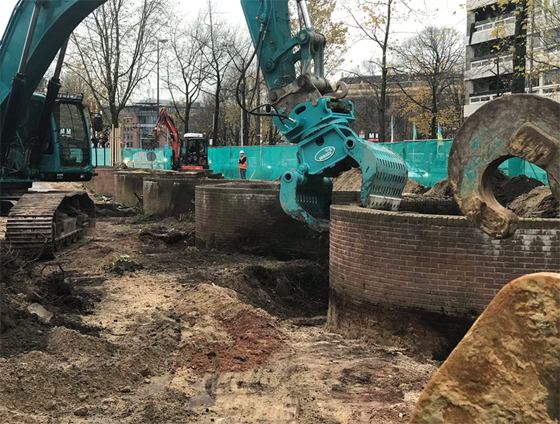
(157, 65)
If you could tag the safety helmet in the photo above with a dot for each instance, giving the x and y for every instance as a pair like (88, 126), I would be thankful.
(241, 151)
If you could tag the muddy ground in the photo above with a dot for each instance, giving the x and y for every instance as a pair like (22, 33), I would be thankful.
(146, 328)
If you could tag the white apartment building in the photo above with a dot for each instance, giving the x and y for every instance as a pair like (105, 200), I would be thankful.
(488, 70)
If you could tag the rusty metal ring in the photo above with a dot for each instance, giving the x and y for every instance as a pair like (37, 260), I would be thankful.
(520, 125)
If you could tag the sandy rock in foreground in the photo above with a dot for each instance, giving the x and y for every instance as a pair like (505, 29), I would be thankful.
(506, 369)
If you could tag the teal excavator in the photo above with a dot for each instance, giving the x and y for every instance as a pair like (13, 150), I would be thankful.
(46, 137)
(43, 137)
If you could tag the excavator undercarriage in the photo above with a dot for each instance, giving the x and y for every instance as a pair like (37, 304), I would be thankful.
(43, 222)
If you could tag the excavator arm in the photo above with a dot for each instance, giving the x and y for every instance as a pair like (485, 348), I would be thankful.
(309, 113)
(165, 119)
(35, 33)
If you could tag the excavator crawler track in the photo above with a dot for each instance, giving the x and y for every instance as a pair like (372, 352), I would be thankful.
(42, 223)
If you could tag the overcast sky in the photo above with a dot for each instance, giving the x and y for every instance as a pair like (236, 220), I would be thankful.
(421, 13)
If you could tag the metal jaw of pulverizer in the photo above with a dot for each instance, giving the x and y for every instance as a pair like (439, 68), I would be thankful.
(308, 197)
(384, 173)
(326, 148)
(521, 125)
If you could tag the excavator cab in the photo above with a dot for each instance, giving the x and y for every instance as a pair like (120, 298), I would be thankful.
(62, 152)
(193, 152)
(70, 143)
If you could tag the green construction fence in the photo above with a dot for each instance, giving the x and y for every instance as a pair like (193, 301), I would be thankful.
(426, 160)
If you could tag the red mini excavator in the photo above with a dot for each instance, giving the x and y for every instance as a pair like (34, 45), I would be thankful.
(190, 152)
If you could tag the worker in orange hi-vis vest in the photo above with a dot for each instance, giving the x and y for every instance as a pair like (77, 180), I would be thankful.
(243, 165)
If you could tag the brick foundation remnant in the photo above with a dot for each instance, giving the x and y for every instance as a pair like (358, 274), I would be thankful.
(246, 216)
(420, 281)
(129, 186)
(173, 193)
(103, 184)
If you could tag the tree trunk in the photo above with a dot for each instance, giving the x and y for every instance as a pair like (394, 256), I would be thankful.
(520, 48)
(245, 115)
(382, 107)
(114, 115)
(433, 134)
(215, 128)
(257, 117)
(187, 117)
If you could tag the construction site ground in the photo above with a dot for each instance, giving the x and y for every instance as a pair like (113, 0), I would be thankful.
(146, 328)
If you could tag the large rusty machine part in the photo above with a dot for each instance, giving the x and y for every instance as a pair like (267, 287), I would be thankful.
(520, 125)
(42, 223)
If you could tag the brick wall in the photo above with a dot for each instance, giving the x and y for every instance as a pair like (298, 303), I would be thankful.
(103, 184)
(129, 186)
(247, 217)
(427, 266)
(173, 194)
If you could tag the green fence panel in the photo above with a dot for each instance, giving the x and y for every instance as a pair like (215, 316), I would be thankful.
(426, 160)
(134, 158)
(263, 162)
(100, 157)
(153, 159)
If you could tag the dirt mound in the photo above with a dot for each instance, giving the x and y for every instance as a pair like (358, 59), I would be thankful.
(506, 189)
(506, 368)
(22, 328)
(297, 279)
(441, 189)
(538, 203)
(350, 180)
(527, 197)
(297, 288)
(414, 187)
(225, 334)
(71, 371)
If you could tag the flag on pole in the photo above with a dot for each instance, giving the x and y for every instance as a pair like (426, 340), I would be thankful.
(392, 129)
(414, 132)
(439, 134)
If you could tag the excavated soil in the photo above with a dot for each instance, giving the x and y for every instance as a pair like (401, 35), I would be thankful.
(538, 203)
(527, 197)
(185, 335)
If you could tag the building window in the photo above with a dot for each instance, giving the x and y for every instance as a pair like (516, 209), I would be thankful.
(551, 77)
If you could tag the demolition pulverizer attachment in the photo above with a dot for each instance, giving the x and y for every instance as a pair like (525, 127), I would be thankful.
(325, 150)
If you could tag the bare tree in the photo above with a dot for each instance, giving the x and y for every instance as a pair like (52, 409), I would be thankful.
(430, 62)
(186, 72)
(376, 26)
(243, 79)
(112, 51)
(336, 33)
(215, 41)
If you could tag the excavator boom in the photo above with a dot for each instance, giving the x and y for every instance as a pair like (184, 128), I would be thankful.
(309, 113)
(55, 21)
